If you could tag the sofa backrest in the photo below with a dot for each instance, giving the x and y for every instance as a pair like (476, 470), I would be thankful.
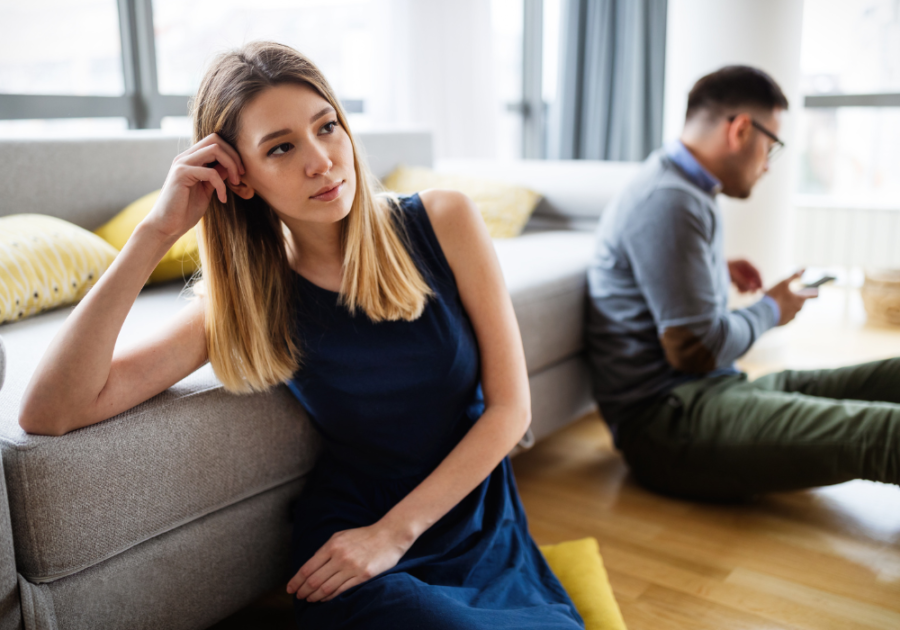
(575, 191)
(86, 181)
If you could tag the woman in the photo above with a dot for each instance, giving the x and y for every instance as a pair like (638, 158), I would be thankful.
(385, 316)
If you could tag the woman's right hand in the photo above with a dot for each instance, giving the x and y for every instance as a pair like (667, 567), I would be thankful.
(194, 177)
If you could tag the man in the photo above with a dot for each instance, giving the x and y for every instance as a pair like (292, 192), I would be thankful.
(662, 342)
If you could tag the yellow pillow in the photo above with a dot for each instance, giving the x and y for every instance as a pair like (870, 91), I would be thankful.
(179, 262)
(505, 207)
(46, 262)
(579, 567)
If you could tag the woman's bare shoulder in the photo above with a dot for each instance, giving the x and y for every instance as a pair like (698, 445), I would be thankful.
(454, 217)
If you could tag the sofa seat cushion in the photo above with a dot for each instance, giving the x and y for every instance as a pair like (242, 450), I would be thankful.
(81, 498)
(546, 274)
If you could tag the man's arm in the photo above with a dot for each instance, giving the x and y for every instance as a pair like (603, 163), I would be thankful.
(670, 249)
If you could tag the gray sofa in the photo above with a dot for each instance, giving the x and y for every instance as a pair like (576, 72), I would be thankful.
(175, 514)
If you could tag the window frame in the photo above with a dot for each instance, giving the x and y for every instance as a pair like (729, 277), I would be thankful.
(141, 105)
(833, 101)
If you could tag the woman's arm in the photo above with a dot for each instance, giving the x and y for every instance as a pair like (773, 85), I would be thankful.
(82, 378)
(355, 555)
(468, 248)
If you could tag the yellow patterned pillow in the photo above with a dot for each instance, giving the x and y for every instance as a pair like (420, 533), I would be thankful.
(179, 262)
(580, 570)
(506, 208)
(46, 262)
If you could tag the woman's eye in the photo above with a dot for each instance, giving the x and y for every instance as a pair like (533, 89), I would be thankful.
(281, 149)
(329, 127)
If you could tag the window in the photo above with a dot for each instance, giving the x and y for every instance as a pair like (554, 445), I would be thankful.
(92, 64)
(848, 213)
(76, 52)
(850, 66)
(335, 34)
(851, 47)
(86, 60)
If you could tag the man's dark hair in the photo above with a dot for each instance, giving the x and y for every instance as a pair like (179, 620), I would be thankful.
(733, 87)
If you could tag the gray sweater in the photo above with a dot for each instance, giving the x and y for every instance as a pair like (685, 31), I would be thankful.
(658, 283)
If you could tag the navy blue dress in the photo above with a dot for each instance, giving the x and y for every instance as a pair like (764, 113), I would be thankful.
(391, 400)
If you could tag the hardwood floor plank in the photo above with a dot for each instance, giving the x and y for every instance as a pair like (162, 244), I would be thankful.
(850, 610)
(626, 587)
(665, 605)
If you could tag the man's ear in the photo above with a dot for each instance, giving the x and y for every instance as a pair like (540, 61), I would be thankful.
(739, 131)
(242, 190)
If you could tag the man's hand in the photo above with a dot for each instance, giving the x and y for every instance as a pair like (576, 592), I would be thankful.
(745, 276)
(789, 302)
(348, 558)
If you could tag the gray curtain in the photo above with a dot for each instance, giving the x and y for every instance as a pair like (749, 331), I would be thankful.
(612, 55)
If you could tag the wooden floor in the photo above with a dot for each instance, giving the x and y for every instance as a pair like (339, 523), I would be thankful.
(822, 558)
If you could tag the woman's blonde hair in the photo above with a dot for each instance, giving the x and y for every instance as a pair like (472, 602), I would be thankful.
(246, 277)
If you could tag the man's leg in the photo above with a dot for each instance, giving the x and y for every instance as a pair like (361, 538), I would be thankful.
(725, 439)
(875, 381)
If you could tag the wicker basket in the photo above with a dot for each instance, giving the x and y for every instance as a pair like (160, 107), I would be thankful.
(881, 296)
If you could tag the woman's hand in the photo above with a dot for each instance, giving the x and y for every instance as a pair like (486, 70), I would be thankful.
(193, 178)
(348, 558)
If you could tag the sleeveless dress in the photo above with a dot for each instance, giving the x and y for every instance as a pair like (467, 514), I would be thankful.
(391, 400)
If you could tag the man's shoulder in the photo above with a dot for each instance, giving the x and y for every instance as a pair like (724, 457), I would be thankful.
(660, 188)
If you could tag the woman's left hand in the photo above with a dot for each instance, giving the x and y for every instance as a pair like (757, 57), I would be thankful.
(348, 558)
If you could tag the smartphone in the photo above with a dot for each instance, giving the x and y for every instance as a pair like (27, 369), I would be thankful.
(819, 282)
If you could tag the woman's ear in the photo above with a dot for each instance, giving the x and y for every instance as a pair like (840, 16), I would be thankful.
(242, 190)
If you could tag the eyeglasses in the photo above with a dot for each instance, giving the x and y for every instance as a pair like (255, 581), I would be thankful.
(777, 144)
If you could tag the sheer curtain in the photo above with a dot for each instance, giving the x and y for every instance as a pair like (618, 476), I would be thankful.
(611, 80)
(435, 71)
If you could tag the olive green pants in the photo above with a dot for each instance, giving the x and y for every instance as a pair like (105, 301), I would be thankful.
(727, 438)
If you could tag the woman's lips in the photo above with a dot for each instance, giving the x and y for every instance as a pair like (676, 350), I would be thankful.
(330, 194)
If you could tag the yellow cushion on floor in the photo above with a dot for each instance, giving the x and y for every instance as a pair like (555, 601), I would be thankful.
(180, 261)
(579, 567)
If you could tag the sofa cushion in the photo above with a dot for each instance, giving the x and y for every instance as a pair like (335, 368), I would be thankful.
(86, 496)
(575, 192)
(546, 274)
(182, 259)
(505, 208)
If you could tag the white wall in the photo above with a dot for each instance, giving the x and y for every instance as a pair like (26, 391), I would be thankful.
(704, 35)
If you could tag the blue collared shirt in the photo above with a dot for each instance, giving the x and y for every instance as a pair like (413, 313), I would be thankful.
(693, 170)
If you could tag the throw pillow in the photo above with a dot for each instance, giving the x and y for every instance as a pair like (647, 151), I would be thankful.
(179, 262)
(506, 208)
(580, 570)
(46, 262)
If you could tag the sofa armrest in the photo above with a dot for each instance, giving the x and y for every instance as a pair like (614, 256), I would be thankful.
(10, 612)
